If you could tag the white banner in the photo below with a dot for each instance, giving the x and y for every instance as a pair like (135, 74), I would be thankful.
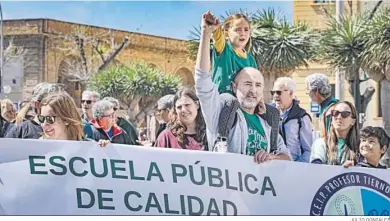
(79, 178)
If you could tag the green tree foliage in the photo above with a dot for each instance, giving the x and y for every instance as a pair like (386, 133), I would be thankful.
(135, 84)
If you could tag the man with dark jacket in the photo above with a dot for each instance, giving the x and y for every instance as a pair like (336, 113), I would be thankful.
(295, 123)
(104, 122)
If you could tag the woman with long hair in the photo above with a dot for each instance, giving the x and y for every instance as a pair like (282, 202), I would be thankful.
(342, 141)
(8, 111)
(186, 128)
(59, 118)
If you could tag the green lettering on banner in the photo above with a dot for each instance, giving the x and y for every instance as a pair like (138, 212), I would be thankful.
(268, 186)
(191, 211)
(63, 167)
(114, 169)
(153, 166)
(132, 173)
(213, 208)
(33, 165)
(102, 199)
(225, 210)
(202, 176)
(182, 205)
(127, 201)
(71, 166)
(153, 202)
(80, 201)
(227, 178)
(247, 184)
(93, 168)
(166, 203)
(210, 171)
(175, 174)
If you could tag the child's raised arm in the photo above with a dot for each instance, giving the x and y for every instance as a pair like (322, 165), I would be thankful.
(218, 34)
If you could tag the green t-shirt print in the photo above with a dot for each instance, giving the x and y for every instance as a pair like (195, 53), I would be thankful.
(256, 135)
(226, 65)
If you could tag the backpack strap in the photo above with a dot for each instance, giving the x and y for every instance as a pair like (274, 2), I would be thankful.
(227, 118)
(299, 128)
(272, 117)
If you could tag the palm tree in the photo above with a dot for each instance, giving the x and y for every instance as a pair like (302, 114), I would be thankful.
(278, 47)
(341, 46)
(376, 58)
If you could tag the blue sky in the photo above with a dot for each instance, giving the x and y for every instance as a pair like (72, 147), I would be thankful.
(163, 18)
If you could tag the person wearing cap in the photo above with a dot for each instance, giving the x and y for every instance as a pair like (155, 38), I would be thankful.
(164, 107)
(31, 129)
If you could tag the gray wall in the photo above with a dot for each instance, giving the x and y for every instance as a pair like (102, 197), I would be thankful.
(22, 74)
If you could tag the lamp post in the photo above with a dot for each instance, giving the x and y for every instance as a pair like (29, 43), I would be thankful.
(340, 75)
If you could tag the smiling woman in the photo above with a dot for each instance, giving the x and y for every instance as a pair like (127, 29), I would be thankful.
(186, 128)
(59, 118)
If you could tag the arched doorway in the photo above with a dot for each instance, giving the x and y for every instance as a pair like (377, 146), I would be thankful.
(186, 76)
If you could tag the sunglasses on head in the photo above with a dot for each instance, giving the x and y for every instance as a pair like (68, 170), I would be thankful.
(48, 119)
(344, 114)
(277, 92)
(86, 101)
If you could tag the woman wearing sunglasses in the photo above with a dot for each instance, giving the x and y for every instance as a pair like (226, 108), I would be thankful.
(342, 141)
(59, 118)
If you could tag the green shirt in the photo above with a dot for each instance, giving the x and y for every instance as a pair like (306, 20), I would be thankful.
(341, 156)
(256, 135)
(226, 65)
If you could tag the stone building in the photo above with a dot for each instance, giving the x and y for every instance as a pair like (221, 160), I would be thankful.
(44, 40)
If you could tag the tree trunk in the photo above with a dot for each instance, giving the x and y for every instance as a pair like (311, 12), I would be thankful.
(131, 108)
(114, 54)
(385, 106)
(144, 111)
(363, 100)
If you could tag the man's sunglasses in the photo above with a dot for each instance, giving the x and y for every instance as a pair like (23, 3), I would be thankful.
(277, 92)
(86, 101)
(48, 119)
(344, 114)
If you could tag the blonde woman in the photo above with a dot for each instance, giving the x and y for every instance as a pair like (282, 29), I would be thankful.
(8, 111)
(60, 119)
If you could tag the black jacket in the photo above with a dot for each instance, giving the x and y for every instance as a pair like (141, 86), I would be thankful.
(5, 127)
